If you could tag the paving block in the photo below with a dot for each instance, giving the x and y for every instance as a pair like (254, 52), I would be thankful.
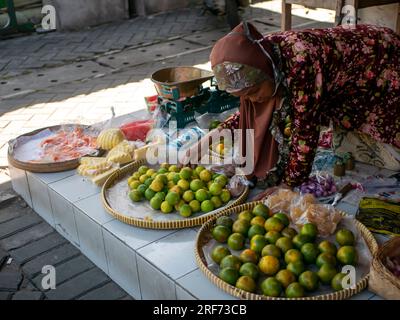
(67, 270)
(79, 285)
(6, 197)
(3, 256)
(5, 295)
(121, 261)
(16, 225)
(38, 247)
(10, 281)
(53, 257)
(110, 291)
(26, 236)
(27, 295)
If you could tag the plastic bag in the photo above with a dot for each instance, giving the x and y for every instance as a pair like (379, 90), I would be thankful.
(280, 200)
(325, 217)
(137, 130)
(300, 204)
(237, 185)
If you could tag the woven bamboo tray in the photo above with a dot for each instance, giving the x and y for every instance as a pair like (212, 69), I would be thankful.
(382, 281)
(44, 167)
(150, 224)
(204, 236)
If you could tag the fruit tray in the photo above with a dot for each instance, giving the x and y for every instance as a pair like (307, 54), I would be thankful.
(116, 201)
(205, 243)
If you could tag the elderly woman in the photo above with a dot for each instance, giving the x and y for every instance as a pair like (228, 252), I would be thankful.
(350, 76)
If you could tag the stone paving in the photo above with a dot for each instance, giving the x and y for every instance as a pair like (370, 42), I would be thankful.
(58, 78)
(27, 243)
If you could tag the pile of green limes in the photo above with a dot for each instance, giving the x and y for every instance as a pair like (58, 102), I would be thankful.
(273, 259)
(185, 190)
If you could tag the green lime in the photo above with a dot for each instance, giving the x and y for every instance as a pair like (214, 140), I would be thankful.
(173, 168)
(148, 182)
(176, 177)
(186, 173)
(337, 281)
(225, 196)
(310, 252)
(326, 273)
(325, 258)
(196, 184)
(221, 233)
(172, 198)
(155, 203)
(285, 277)
(261, 210)
(166, 207)
(185, 211)
(231, 261)
(271, 287)
(207, 206)
(274, 224)
(201, 195)
(216, 201)
(293, 255)
(241, 226)
(257, 243)
(236, 241)
(249, 269)
(199, 169)
(300, 240)
(345, 237)
(135, 195)
(255, 229)
(309, 280)
(283, 217)
(285, 244)
(224, 221)
(272, 236)
(160, 195)
(142, 189)
(248, 255)
(289, 232)
(245, 215)
(195, 205)
(347, 255)
(149, 194)
(271, 250)
(327, 247)
(215, 189)
(258, 220)
(221, 179)
(246, 283)
(218, 253)
(205, 175)
(143, 169)
(294, 290)
(229, 275)
(310, 230)
(296, 267)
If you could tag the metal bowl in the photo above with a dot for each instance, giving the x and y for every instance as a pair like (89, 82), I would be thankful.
(179, 82)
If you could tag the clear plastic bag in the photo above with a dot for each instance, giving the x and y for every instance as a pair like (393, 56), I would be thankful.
(320, 184)
(280, 200)
(237, 185)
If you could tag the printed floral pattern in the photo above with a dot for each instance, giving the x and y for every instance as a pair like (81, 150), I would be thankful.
(350, 76)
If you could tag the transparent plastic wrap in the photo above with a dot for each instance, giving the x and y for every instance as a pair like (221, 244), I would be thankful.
(209, 120)
(238, 184)
(325, 217)
(280, 200)
(300, 204)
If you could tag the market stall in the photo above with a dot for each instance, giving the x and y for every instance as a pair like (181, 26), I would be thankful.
(165, 231)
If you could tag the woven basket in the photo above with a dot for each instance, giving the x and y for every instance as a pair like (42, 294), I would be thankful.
(44, 167)
(382, 281)
(204, 236)
(170, 224)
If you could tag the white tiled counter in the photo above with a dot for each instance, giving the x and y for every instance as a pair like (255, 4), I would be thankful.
(148, 264)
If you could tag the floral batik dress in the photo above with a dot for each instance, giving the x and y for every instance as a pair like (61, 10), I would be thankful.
(350, 76)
